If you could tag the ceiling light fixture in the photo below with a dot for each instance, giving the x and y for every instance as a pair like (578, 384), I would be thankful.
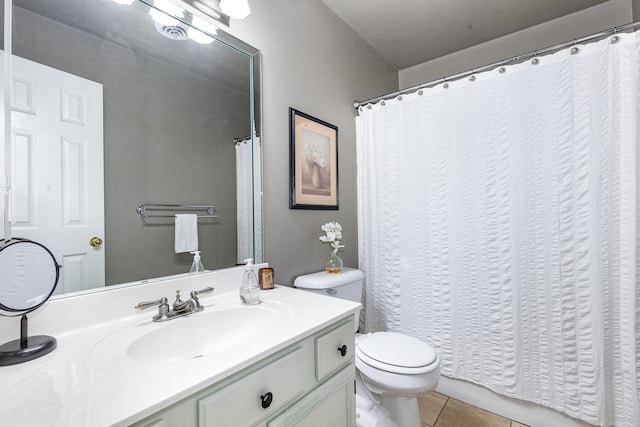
(238, 9)
(210, 9)
(163, 9)
(125, 2)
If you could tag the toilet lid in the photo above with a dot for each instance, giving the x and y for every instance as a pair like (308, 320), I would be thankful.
(393, 349)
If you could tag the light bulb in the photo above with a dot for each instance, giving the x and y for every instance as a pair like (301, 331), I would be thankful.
(237, 9)
(199, 33)
(162, 18)
(198, 36)
(166, 8)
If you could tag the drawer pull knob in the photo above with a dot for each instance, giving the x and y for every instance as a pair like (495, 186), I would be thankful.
(266, 399)
(343, 350)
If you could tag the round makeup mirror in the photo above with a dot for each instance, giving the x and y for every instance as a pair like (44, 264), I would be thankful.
(28, 276)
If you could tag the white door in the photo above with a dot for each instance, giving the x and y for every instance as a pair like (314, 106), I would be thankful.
(57, 193)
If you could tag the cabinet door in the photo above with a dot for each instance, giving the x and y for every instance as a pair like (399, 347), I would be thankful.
(334, 349)
(331, 404)
(259, 394)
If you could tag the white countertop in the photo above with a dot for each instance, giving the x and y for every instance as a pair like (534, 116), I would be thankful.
(81, 384)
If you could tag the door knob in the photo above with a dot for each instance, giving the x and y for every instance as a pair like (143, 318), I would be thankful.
(95, 241)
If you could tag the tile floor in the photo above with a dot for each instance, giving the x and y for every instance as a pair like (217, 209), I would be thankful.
(438, 410)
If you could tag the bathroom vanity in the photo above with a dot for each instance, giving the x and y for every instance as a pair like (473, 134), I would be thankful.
(307, 383)
(287, 361)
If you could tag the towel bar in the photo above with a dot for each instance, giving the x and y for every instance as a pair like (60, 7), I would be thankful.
(143, 208)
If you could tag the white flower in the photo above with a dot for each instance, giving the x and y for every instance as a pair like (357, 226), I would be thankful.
(316, 156)
(333, 235)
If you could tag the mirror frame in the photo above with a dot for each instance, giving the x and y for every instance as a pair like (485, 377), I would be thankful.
(255, 116)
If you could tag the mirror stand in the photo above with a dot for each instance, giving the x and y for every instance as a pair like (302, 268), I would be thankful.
(26, 348)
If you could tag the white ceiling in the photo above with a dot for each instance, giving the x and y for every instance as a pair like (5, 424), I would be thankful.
(410, 32)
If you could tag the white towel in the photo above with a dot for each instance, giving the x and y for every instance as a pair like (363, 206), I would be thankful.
(186, 239)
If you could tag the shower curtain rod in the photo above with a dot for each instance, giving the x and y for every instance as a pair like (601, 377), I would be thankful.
(512, 60)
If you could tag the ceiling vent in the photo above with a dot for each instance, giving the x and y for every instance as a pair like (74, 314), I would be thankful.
(173, 32)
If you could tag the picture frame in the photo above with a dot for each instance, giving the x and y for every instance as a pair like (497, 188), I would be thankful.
(313, 162)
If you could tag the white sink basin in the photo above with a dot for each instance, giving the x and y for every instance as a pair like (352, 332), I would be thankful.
(190, 337)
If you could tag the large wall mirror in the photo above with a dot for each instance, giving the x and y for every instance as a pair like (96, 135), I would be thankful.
(115, 105)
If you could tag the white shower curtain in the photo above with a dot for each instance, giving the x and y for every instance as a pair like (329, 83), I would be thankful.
(498, 221)
(249, 200)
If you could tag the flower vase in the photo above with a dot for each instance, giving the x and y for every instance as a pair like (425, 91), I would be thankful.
(333, 264)
(316, 178)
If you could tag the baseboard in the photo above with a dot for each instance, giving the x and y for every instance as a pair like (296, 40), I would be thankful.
(524, 412)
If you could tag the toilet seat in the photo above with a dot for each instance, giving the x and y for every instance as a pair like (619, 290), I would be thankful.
(397, 353)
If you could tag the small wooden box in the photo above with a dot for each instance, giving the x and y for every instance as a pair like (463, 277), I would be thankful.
(265, 278)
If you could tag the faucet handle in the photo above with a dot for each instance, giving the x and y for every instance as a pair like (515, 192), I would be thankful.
(146, 304)
(206, 290)
(194, 297)
(163, 308)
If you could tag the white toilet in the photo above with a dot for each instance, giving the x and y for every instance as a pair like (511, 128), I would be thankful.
(391, 368)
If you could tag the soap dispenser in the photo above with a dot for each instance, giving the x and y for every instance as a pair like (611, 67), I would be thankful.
(197, 266)
(249, 290)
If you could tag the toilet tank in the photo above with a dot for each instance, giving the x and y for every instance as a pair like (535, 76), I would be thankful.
(346, 285)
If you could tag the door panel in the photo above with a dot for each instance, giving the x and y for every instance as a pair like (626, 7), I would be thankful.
(57, 168)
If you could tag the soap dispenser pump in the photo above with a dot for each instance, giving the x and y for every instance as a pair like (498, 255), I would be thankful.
(197, 266)
(249, 290)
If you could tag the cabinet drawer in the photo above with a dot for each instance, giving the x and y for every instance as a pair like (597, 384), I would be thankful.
(241, 403)
(334, 349)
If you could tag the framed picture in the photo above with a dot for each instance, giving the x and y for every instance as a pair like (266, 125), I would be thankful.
(313, 162)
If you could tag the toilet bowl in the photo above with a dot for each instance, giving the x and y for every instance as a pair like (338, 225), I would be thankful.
(392, 369)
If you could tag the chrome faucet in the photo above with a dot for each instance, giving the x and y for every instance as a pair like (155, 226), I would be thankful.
(180, 306)
(178, 309)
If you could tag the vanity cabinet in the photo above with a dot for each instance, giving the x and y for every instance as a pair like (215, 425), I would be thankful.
(330, 404)
(308, 383)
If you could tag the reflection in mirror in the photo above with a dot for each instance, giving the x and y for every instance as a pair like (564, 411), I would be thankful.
(4, 148)
(29, 275)
(116, 105)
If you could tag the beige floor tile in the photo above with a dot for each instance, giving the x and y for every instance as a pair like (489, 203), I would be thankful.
(459, 414)
(430, 406)
(517, 424)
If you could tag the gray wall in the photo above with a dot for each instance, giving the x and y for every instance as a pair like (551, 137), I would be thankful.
(589, 21)
(168, 137)
(635, 4)
(314, 63)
